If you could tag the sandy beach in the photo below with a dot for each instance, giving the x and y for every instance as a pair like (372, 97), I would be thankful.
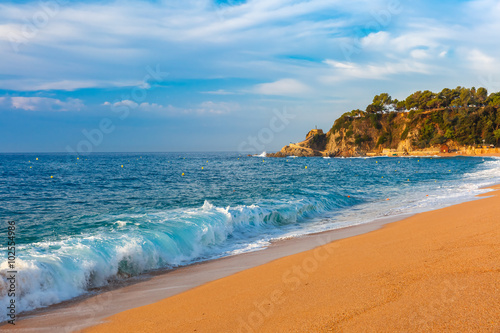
(476, 154)
(435, 271)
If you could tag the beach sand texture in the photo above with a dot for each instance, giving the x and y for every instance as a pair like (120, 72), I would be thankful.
(436, 271)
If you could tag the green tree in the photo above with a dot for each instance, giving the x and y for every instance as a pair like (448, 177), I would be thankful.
(497, 134)
(447, 96)
(494, 99)
(400, 106)
(425, 98)
(465, 97)
(373, 108)
(356, 113)
(413, 100)
(381, 102)
(454, 97)
(435, 103)
(481, 95)
(382, 99)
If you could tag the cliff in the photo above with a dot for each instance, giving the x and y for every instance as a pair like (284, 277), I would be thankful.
(391, 130)
(314, 145)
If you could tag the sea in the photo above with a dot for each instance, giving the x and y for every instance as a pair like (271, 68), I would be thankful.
(88, 222)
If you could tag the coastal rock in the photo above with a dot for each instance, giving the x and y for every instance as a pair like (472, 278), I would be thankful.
(313, 145)
(402, 133)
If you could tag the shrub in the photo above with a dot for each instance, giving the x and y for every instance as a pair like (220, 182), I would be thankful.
(358, 139)
(382, 139)
(404, 135)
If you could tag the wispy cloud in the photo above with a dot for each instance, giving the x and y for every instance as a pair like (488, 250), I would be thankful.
(88, 45)
(207, 107)
(348, 71)
(480, 61)
(283, 87)
(28, 84)
(219, 92)
(42, 104)
(84, 46)
(218, 107)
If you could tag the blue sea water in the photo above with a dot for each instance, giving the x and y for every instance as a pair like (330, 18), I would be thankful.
(89, 221)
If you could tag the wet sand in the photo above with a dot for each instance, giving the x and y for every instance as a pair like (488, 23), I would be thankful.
(435, 271)
(470, 155)
(88, 311)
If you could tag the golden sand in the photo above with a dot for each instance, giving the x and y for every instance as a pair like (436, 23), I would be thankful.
(436, 271)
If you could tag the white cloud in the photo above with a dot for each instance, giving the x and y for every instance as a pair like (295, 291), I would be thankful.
(338, 64)
(346, 71)
(109, 44)
(126, 102)
(481, 62)
(219, 92)
(88, 44)
(420, 54)
(376, 39)
(43, 104)
(478, 57)
(207, 107)
(430, 37)
(217, 107)
(66, 85)
(283, 87)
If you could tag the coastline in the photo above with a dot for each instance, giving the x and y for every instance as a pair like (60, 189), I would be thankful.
(87, 311)
(308, 152)
(153, 286)
(433, 271)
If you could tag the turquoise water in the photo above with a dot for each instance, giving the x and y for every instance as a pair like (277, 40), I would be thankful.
(96, 222)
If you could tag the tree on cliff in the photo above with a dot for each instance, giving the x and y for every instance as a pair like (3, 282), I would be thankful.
(458, 117)
(481, 96)
(380, 103)
(456, 114)
(382, 99)
(412, 101)
(424, 99)
(497, 134)
(494, 99)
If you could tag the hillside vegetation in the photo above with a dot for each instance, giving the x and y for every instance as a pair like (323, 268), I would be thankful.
(456, 117)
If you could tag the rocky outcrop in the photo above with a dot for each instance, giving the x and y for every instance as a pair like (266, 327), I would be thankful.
(395, 133)
(295, 151)
(313, 145)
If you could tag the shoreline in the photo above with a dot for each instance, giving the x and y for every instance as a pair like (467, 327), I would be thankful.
(413, 154)
(89, 310)
(433, 271)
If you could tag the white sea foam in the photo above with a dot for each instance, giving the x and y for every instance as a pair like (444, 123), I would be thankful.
(51, 272)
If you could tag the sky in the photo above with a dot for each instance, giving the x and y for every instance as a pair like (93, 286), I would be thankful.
(234, 75)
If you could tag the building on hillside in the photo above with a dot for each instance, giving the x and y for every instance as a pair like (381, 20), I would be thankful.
(444, 149)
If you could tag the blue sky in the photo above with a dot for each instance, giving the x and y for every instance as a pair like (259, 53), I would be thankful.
(205, 75)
